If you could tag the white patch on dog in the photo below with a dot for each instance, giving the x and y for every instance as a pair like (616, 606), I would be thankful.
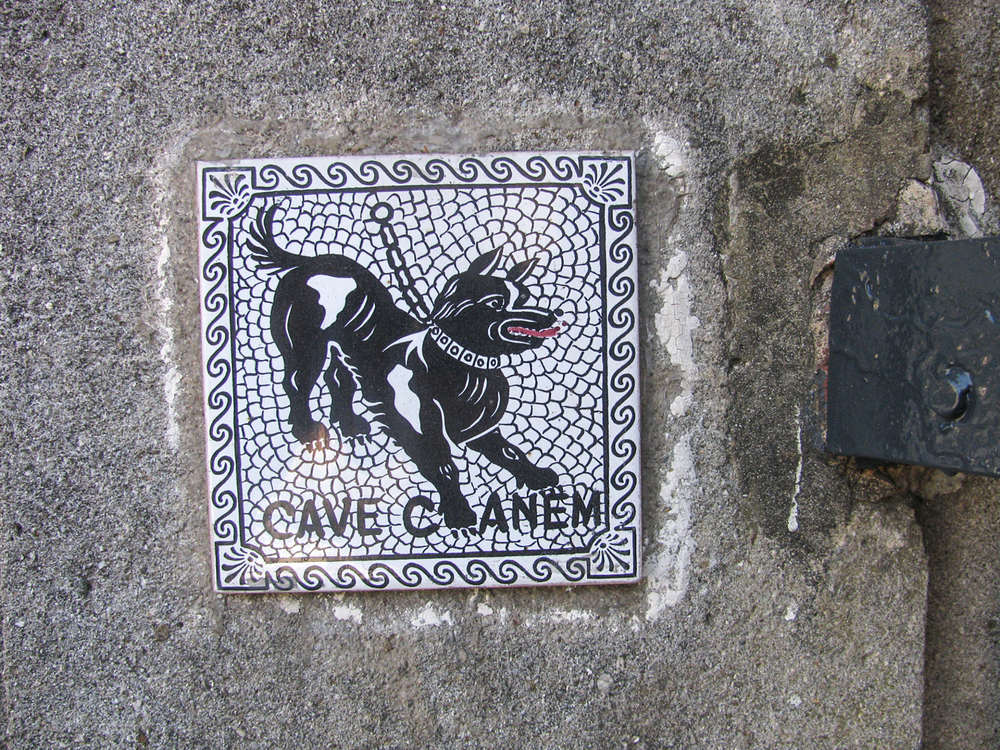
(333, 291)
(512, 295)
(406, 401)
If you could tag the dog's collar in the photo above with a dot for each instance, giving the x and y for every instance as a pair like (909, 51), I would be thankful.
(460, 354)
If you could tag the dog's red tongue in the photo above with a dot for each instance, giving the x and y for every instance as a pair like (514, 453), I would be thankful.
(546, 333)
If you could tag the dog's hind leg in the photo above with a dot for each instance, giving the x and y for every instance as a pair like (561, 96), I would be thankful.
(296, 330)
(298, 386)
(504, 454)
(341, 383)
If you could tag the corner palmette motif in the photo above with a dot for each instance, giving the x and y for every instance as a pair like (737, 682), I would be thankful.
(421, 372)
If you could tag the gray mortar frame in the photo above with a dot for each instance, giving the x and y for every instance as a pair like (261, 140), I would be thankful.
(604, 184)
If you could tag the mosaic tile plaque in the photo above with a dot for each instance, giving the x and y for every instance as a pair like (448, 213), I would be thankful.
(421, 371)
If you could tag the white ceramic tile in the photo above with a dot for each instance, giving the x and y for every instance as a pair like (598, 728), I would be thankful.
(421, 371)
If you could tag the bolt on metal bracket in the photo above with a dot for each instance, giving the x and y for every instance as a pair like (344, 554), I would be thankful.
(914, 349)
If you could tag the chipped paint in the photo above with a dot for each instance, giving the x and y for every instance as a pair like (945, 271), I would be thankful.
(570, 615)
(669, 154)
(557, 616)
(674, 324)
(347, 612)
(430, 617)
(793, 513)
(161, 323)
(172, 373)
(667, 578)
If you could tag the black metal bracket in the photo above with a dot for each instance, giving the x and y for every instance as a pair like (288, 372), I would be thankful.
(915, 354)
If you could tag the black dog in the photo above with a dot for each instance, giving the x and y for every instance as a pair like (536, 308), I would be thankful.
(430, 385)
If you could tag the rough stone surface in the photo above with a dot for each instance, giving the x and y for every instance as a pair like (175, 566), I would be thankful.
(962, 533)
(962, 195)
(768, 134)
(918, 212)
(965, 90)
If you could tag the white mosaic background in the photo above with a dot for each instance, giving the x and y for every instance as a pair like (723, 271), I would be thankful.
(556, 402)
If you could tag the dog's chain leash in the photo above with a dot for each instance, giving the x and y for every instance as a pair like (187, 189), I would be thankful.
(382, 214)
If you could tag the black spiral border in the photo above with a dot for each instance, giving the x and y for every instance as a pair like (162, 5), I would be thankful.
(233, 571)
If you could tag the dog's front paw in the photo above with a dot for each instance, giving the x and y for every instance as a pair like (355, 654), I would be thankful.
(312, 434)
(354, 428)
(459, 516)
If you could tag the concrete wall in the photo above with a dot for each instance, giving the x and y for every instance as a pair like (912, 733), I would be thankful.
(786, 591)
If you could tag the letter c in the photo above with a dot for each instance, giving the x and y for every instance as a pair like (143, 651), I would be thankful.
(269, 524)
(426, 504)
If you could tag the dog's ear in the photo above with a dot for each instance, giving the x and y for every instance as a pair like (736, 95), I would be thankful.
(485, 264)
(521, 271)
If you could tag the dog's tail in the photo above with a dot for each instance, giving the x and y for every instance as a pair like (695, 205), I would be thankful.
(263, 247)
